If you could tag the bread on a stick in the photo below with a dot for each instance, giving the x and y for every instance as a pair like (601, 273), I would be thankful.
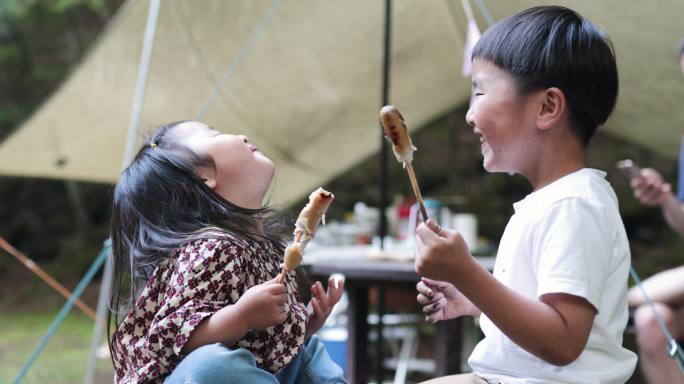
(305, 226)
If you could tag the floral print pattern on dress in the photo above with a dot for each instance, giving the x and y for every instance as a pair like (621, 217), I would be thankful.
(196, 281)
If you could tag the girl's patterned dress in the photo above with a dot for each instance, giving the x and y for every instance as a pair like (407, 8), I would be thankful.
(197, 280)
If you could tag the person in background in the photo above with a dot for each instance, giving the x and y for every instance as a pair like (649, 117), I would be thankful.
(666, 289)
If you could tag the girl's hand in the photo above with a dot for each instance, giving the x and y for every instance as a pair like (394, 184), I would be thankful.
(263, 305)
(440, 253)
(322, 303)
(442, 301)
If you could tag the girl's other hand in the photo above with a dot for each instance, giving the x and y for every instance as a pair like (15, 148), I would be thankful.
(443, 301)
(322, 303)
(263, 305)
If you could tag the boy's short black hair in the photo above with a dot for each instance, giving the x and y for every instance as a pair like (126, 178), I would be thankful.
(552, 46)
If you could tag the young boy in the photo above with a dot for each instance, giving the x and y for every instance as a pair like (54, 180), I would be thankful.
(554, 310)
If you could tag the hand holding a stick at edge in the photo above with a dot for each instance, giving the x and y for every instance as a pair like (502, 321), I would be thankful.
(305, 228)
(396, 132)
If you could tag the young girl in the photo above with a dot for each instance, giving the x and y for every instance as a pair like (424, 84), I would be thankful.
(201, 255)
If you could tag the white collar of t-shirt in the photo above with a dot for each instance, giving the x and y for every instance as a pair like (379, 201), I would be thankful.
(558, 189)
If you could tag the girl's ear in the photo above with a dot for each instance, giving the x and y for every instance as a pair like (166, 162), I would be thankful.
(207, 175)
(552, 108)
(211, 183)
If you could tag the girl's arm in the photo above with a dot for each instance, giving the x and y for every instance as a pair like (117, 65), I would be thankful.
(260, 307)
(225, 326)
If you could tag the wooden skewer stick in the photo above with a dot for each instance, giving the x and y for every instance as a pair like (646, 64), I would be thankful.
(416, 190)
(281, 276)
(283, 273)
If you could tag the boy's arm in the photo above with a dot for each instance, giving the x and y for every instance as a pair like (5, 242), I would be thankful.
(555, 328)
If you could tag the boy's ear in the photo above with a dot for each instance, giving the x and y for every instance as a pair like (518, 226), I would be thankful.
(552, 108)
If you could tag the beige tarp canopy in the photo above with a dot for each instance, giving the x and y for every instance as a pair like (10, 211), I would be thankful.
(308, 91)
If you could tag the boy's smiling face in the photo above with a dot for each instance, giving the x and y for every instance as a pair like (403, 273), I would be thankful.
(502, 119)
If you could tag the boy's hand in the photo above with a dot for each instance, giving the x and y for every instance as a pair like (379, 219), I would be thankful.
(442, 301)
(439, 252)
(322, 303)
(650, 188)
(263, 305)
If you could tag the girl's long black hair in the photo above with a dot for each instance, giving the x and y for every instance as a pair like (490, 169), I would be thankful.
(160, 204)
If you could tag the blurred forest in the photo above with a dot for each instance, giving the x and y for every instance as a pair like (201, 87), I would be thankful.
(61, 224)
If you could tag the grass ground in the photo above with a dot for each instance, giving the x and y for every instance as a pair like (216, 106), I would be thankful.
(65, 358)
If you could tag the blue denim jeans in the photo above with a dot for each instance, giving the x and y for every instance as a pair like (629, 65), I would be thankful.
(215, 363)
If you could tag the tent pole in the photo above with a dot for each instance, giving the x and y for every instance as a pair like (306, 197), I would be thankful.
(102, 304)
(386, 56)
(138, 101)
(141, 82)
(382, 230)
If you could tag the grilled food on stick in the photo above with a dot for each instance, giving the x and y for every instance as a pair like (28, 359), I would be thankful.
(305, 228)
(395, 130)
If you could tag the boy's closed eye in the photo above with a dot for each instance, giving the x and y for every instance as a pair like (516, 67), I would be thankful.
(476, 91)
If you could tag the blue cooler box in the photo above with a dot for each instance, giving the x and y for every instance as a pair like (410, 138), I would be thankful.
(335, 341)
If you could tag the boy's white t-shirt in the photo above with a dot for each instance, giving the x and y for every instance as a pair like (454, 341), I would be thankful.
(567, 237)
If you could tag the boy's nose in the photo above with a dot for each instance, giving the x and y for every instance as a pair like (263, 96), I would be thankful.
(469, 117)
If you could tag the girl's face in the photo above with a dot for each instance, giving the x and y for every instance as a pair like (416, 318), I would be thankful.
(241, 175)
(503, 119)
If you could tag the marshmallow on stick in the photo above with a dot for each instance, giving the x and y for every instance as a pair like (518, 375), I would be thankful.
(395, 130)
(305, 228)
